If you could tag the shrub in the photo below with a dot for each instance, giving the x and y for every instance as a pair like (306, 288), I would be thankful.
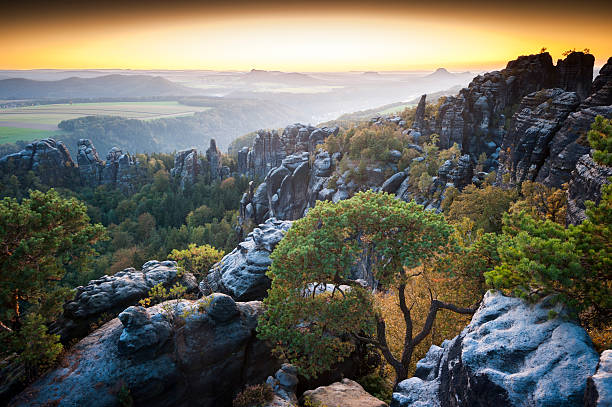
(197, 259)
(254, 396)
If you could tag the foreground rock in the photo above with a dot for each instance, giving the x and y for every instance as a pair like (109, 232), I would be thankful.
(241, 273)
(179, 353)
(284, 384)
(346, 393)
(599, 386)
(109, 295)
(511, 354)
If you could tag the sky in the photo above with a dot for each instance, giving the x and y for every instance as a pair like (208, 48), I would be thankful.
(296, 36)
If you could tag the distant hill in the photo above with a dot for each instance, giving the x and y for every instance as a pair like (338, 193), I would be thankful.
(443, 73)
(291, 78)
(102, 86)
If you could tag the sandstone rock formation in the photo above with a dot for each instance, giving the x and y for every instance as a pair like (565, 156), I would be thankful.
(284, 384)
(569, 144)
(587, 180)
(187, 166)
(511, 354)
(599, 386)
(178, 353)
(111, 294)
(52, 163)
(269, 148)
(120, 169)
(525, 146)
(213, 155)
(575, 73)
(601, 90)
(346, 393)
(47, 158)
(241, 273)
(90, 164)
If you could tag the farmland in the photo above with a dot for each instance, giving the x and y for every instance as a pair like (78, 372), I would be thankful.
(33, 122)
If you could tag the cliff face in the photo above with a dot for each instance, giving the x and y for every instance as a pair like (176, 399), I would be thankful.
(526, 145)
(530, 119)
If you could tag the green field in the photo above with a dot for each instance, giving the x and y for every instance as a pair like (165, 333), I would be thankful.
(32, 122)
(13, 134)
(395, 109)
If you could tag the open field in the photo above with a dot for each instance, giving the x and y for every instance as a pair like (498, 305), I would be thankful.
(40, 121)
(51, 115)
(13, 134)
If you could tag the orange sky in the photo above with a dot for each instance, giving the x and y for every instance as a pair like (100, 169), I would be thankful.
(292, 36)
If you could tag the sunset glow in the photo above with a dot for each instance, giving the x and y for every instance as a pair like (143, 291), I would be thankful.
(304, 39)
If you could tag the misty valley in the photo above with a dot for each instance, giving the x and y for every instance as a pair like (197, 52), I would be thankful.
(313, 205)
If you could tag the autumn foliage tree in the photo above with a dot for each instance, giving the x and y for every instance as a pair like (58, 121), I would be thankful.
(315, 312)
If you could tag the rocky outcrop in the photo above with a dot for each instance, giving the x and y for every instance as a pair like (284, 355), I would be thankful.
(49, 159)
(599, 386)
(476, 119)
(242, 164)
(601, 90)
(111, 294)
(215, 164)
(346, 393)
(420, 124)
(179, 353)
(90, 164)
(290, 189)
(511, 354)
(284, 384)
(187, 166)
(587, 180)
(568, 145)
(525, 147)
(575, 73)
(241, 273)
(120, 170)
(270, 149)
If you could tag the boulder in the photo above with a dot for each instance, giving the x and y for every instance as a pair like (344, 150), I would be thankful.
(587, 179)
(109, 295)
(393, 183)
(284, 384)
(178, 353)
(511, 354)
(241, 273)
(599, 386)
(345, 393)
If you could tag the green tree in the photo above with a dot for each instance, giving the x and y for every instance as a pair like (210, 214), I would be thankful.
(600, 138)
(314, 312)
(41, 237)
